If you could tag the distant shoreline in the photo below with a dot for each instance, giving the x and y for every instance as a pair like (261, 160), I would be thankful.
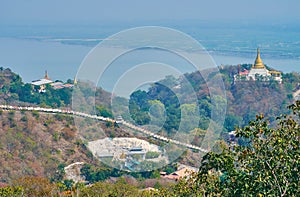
(31, 57)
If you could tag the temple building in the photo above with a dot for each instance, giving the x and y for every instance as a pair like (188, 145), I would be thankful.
(41, 83)
(258, 72)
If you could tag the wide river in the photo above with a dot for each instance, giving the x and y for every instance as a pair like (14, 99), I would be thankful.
(31, 54)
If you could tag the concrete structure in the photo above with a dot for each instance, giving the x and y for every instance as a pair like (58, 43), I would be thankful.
(121, 148)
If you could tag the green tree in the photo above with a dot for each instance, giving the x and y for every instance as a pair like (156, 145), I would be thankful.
(268, 165)
(11, 191)
(69, 183)
(104, 111)
(231, 121)
(157, 113)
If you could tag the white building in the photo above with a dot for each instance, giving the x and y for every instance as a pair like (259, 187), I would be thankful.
(258, 72)
(42, 82)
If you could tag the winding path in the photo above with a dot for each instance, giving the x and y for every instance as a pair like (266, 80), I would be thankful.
(101, 118)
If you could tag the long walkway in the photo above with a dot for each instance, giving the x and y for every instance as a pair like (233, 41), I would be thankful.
(81, 114)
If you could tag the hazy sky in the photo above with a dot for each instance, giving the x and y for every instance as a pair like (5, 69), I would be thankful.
(93, 11)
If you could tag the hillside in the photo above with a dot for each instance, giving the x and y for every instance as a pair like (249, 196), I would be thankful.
(35, 143)
(244, 99)
(15, 92)
(249, 98)
(42, 144)
(8, 80)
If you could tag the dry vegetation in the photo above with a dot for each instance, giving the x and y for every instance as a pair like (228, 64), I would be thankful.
(34, 143)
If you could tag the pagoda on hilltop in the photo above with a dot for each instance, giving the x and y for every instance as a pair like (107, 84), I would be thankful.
(40, 84)
(258, 72)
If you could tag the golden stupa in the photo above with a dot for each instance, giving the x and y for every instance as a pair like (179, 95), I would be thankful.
(258, 64)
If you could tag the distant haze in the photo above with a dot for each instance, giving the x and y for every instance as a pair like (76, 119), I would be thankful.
(94, 11)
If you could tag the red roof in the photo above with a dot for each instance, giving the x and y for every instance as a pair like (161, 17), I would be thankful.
(245, 72)
(179, 174)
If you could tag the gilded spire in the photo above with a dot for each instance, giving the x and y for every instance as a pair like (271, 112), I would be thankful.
(258, 64)
(46, 75)
(75, 81)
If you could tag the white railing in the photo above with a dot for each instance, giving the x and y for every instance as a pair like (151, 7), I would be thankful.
(81, 114)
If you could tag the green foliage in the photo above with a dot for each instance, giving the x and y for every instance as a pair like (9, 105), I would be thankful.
(93, 174)
(243, 100)
(155, 174)
(232, 121)
(157, 112)
(189, 117)
(139, 107)
(169, 168)
(11, 191)
(267, 166)
(141, 101)
(13, 89)
(101, 110)
(69, 184)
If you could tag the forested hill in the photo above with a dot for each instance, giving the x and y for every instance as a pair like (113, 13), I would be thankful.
(244, 99)
(36, 144)
(249, 98)
(14, 91)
